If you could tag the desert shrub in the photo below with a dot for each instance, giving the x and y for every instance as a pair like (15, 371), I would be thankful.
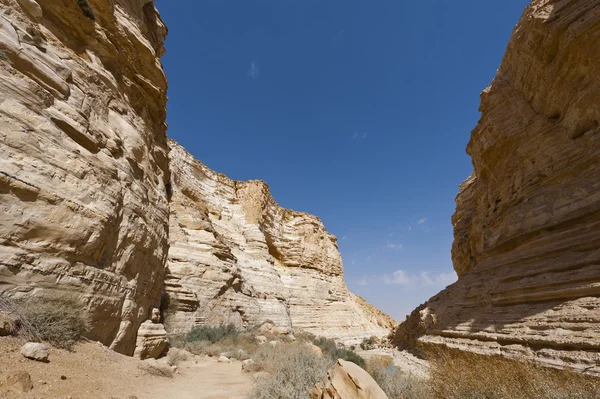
(369, 343)
(176, 356)
(217, 340)
(58, 320)
(457, 374)
(212, 333)
(395, 383)
(292, 372)
(331, 350)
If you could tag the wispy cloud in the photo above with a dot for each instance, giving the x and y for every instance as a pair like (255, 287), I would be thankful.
(359, 136)
(254, 70)
(421, 221)
(391, 245)
(400, 277)
(363, 281)
(397, 278)
(337, 37)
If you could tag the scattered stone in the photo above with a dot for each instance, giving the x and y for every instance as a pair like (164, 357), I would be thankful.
(223, 359)
(347, 380)
(247, 365)
(35, 351)
(19, 381)
(261, 339)
(63, 377)
(274, 343)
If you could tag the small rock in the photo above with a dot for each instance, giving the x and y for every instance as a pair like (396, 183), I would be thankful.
(223, 359)
(63, 377)
(261, 339)
(19, 381)
(35, 351)
(42, 382)
(247, 365)
(274, 343)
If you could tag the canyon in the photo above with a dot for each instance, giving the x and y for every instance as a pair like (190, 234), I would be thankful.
(527, 221)
(96, 204)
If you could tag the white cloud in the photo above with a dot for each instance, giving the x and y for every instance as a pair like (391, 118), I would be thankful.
(391, 245)
(422, 221)
(399, 277)
(254, 71)
(363, 281)
(359, 136)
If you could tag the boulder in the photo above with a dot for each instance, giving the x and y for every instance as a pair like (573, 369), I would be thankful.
(8, 323)
(35, 351)
(346, 380)
(151, 340)
(32, 7)
(19, 381)
(223, 359)
(247, 365)
(314, 348)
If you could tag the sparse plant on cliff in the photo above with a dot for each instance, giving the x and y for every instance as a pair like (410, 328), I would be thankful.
(87, 9)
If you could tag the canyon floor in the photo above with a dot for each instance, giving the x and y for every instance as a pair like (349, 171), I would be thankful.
(93, 371)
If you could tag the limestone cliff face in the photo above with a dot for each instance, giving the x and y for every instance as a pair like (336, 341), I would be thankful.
(527, 222)
(236, 256)
(83, 157)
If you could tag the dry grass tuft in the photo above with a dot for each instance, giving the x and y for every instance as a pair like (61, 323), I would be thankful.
(176, 356)
(58, 320)
(292, 371)
(457, 374)
(395, 383)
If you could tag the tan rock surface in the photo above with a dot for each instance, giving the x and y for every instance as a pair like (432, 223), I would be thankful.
(527, 222)
(83, 158)
(236, 256)
(346, 380)
(151, 340)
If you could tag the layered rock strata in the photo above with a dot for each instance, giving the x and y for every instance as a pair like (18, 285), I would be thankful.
(236, 256)
(527, 222)
(83, 158)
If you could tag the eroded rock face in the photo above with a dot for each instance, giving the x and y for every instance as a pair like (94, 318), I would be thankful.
(527, 222)
(83, 158)
(236, 256)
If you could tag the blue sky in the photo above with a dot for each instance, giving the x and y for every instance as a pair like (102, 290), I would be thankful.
(356, 111)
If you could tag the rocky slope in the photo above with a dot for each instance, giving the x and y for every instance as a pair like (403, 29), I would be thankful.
(527, 222)
(83, 158)
(236, 256)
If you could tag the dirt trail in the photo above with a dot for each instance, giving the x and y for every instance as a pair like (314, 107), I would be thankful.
(94, 372)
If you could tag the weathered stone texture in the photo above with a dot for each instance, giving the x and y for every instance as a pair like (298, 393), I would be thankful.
(83, 158)
(236, 256)
(527, 222)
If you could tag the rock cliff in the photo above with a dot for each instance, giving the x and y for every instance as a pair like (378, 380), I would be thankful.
(83, 158)
(236, 256)
(527, 222)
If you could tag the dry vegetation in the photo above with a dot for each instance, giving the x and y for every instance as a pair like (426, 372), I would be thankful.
(464, 375)
(58, 320)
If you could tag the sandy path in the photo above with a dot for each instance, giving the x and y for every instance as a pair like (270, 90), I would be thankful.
(94, 372)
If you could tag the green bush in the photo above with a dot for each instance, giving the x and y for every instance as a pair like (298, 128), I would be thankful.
(212, 334)
(331, 350)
